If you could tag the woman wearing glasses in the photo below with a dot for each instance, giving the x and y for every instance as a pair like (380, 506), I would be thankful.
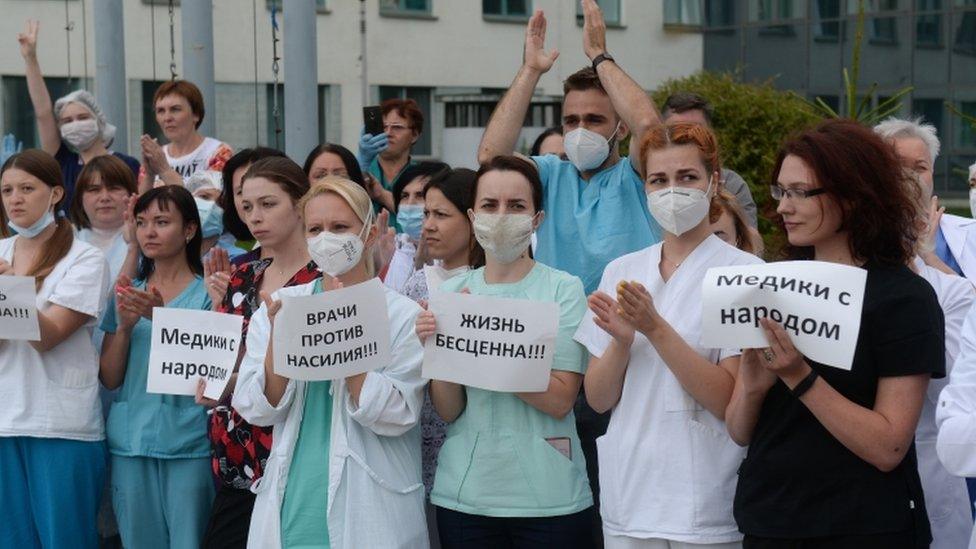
(667, 467)
(831, 459)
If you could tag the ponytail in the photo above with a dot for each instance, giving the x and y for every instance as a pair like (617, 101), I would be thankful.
(55, 249)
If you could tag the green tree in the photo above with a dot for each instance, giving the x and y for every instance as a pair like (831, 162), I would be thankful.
(751, 122)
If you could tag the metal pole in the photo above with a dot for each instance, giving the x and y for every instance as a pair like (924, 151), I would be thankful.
(196, 18)
(110, 82)
(301, 78)
(363, 78)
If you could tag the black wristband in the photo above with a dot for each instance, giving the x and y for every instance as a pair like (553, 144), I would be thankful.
(804, 385)
(601, 58)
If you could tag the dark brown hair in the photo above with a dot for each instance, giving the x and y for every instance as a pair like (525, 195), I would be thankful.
(283, 171)
(185, 89)
(182, 200)
(877, 198)
(457, 186)
(355, 173)
(44, 167)
(113, 173)
(503, 163)
(582, 80)
(232, 221)
(687, 101)
(407, 108)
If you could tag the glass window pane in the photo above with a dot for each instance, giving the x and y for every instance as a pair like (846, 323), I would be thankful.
(415, 5)
(491, 7)
(610, 8)
(719, 13)
(963, 43)
(518, 7)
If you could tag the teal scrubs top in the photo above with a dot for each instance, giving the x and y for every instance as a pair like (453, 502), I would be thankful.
(148, 424)
(376, 171)
(500, 457)
(304, 511)
(590, 223)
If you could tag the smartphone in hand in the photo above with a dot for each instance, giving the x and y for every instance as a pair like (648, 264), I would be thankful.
(373, 119)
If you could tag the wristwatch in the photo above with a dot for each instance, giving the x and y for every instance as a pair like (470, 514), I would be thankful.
(601, 58)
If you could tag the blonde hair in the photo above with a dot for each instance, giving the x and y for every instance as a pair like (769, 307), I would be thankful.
(355, 196)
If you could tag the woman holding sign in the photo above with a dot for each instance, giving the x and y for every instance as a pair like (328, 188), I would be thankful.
(344, 469)
(512, 466)
(831, 460)
(667, 467)
(270, 191)
(52, 450)
(161, 484)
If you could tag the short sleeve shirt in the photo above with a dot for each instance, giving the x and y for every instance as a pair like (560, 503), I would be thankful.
(797, 480)
(496, 460)
(154, 425)
(589, 223)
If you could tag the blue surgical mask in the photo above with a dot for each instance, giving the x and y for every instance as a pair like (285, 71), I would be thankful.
(211, 217)
(411, 219)
(38, 226)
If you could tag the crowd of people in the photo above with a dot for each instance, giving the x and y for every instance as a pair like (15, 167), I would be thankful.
(643, 438)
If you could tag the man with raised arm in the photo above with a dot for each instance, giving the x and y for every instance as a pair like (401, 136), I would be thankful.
(595, 202)
(596, 208)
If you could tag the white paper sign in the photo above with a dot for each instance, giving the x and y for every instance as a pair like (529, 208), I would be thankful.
(817, 303)
(188, 345)
(492, 343)
(18, 308)
(333, 334)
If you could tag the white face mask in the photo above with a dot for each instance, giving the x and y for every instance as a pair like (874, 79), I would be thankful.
(336, 254)
(972, 201)
(80, 134)
(505, 237)
(586, 149)
(678, 210)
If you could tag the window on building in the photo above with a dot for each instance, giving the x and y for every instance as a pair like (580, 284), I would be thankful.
(320, 5)
(719, 13)
(405, 6)
(966, 132)
(423, 98)
(149, 126)
(883, 30)
(682, 12)
(776, 10)
(18, 112)
(516, 9)
(873, 6)
(965, 36)
(828, 26)
(931, 111)
(610, 8)
(928, 30)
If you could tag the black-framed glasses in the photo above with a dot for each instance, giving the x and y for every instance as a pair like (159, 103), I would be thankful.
(778, 192)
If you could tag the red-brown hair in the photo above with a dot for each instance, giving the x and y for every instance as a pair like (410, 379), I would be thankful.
(662, 136)
(725, 201)
(45, 168)
(185, 89)
(407, 108)
(861, 172)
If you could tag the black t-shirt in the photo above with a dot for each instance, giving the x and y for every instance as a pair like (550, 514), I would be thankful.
(797, 480)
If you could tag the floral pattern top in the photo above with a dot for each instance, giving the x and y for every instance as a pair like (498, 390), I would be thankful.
(239, 450)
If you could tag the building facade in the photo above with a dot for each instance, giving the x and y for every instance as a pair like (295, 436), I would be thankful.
(455, 57)
(803, 45)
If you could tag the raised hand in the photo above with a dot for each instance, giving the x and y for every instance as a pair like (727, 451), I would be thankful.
(594, 30)
(534, 55)
(216, 273)
(926, 243)
(28, 39)
(153, 155)
(139, 301)
(606, 316)
(273, 306)
(129, 217)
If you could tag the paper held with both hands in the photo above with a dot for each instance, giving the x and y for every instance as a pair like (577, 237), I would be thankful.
(817, 303)
(492, 343)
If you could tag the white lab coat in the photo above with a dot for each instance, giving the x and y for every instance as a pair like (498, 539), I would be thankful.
(667, 466)
(960, 236)
(376, 496)
(946, 495)
(401, 264)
